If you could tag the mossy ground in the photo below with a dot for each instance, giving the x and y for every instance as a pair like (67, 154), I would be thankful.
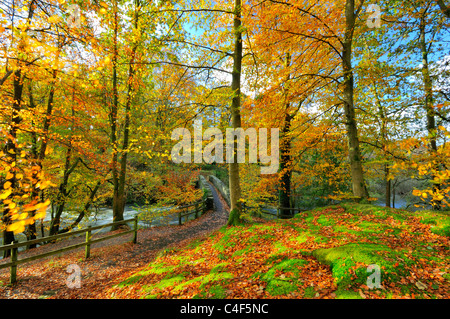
(323, 253)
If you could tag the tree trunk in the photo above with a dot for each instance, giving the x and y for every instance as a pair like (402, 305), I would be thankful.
(62, 192)
(11, 151)
(354, 153)
(83, 212)
(388, 185)
(428, 102)
(284, 192)
(121, 197)
(384, 140)
(117, 205)
(234, 180)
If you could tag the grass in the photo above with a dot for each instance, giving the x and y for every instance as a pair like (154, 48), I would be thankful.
(322, 253)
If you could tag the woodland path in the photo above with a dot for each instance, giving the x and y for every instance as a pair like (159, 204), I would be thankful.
(111, 261)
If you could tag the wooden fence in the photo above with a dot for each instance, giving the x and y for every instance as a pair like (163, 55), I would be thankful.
(195, 208)
(278, 214)
(87, 243)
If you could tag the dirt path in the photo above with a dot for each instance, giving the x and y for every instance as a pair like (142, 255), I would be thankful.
(110, 261)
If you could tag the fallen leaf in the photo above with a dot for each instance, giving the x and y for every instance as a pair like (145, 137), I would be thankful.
(363, 296)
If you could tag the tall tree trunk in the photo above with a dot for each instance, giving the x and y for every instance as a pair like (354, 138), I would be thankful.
(11, 147)
(284, 192)
(117, 207)
(121, 197)
(354, 153)
(285, 169)
(11, 151)
(428, 101)
(31, 231)
(384, 140)
(234, 180)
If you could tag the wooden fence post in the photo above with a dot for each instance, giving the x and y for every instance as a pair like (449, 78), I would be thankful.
(196, 210)
(135, 229)
(87, 250)
(13, 273)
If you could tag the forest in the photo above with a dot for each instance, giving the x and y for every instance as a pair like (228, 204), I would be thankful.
(351, 99)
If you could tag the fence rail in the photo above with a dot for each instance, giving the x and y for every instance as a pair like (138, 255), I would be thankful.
(184, 211)
(278, 214)
(87, 243)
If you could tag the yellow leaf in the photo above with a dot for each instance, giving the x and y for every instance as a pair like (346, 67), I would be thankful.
(12, 205)
(29, 221)
(5, 194)
(7, 185)
(54, 19)
(19, 176)
(16, 227)
(40, 215)
(9, 175)
(30, 208)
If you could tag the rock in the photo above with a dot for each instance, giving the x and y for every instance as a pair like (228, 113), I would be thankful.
(420, 285)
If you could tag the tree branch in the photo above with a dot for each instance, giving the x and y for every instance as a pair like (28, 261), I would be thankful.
(444, 8)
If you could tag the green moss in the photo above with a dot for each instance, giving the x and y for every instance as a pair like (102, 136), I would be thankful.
(361, 252)
(303, 237)
(439, 221)
(325, 221)
(309, 292)
(131, 280)
(167, 282)
(243, 251)
(281, 285)
(348, 262)
(347, 294)
(194, 244)
(234, 218)
(216, 292)
(343, 262)
(220, 267)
